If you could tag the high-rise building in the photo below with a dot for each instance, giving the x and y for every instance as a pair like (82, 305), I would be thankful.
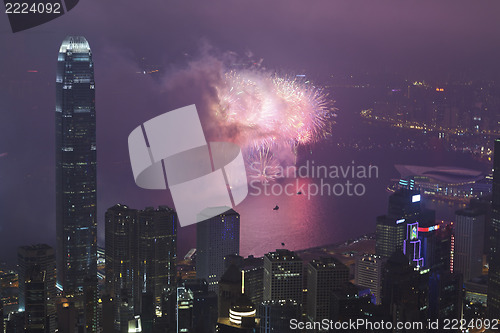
(42, 256)
(76, 187)
(350, 303)
(404, 290)
(216, 238)
(204, 306)
(121, 258)
(35, 296)
(469, 237)
(494, 255)
(275, 316)
(253, 278)
(230, 288)
(390, 235)
(369, 269)
(323, 276)
(157, 251)
(283, 276)
(398, 230)
(185, 300)
(141, 251)
(445, 296)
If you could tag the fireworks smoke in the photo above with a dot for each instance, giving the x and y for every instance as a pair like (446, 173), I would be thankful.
(266, 114)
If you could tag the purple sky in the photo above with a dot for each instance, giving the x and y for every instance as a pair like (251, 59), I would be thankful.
(319, 37)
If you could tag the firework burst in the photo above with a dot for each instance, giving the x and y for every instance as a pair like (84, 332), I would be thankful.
(270, 116)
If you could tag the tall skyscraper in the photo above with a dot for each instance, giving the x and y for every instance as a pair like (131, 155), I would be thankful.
(390, 234)
(323, 277)
(216, 238)
(157, 251)
(369, 269)
(275, 316)
(121, 258)
(494, 255)
(398, 230)
(35, 295)
(469, 238)
(404, 290)
(283, 276)
(141, 250)
(76, 185)
(43, 257)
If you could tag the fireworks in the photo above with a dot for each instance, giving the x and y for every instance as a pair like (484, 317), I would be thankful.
(269, 116)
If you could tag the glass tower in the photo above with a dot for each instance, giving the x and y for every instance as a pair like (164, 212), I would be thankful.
(75, 166)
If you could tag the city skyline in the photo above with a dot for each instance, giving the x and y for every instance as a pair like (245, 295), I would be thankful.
(120, 54)
(405, 90)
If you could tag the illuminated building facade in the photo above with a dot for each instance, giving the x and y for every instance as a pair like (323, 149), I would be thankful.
(275, 316)
(469, 238)
(283, 276)
(141, 251)
(323, 276)
(216, 238)
(369, 274)
(75, 166)
(43, 257)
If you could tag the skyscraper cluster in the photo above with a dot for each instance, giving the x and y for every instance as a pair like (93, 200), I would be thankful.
(421, 268)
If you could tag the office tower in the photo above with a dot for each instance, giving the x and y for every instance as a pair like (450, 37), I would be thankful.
(494, 255)
(252, 270)
(253, 278)
(185, 301)
(43, 256)
(436, 246)
(445, 295)
(368, 274)
(121, 258)
(216, 238)
(157, 251)
(141, 251)
(404, 290)
(90, 303)
(444, 286)
(76, 185)
(204, 306)
(323, 276)
(275, 316)
(469, 237)
(483, 204)
(405, 204)
(230, 288)
(282, 276)
(392, 231)
(390, 235)
(350, 303)
(35, 296)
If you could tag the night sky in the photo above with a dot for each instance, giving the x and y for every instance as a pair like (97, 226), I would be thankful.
(315, 37)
